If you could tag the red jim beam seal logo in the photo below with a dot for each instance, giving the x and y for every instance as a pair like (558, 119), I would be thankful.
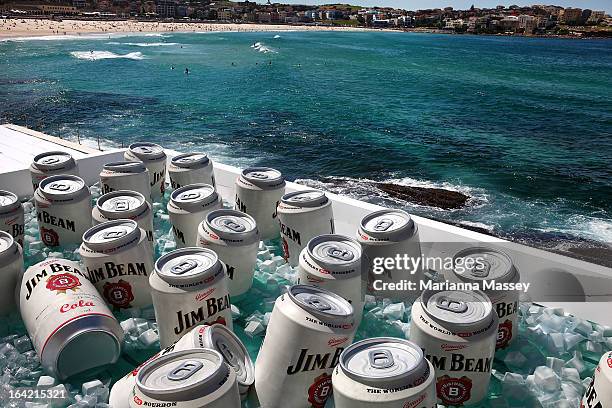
(453, 391)
(137, 400)
(285, 246)
(49, 237)
(504, 334)
(118, 294)
(320, 390)
(609, 360)
(63, 282)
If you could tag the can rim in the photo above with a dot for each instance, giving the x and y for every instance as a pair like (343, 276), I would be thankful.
(484, 321)
(43, 166)
(152, 156)
(203, 201)
(248, 235)
(10, 249)
(120, 242)
(126, 166)
(311, 245)
(125, 214)
(266, 183)
(215, 267)
(6, 208)
(220, 370)
(404, 232)
(204, 160)
(319, 201)
(50, 179)
(294, 290)
(511, 274)
(407, 378)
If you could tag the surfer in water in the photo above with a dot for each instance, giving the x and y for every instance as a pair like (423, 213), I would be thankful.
(172, 67)
(186, 71)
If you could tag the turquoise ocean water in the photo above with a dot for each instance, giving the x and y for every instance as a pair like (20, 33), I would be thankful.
(522, 125)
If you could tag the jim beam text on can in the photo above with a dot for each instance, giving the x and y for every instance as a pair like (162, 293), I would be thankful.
(187, 208)
(71, 327)
(479, 264)
(308, 330)
(191, 168)
(389, 234)
(11, 216)
(217, 337)
(11, 267)
(63, 209)
(118, 261)
(258, 192)
(599, 392)
(333, 262)
(154, 158)
(123, 204)
(126, 176)
(303, 215)
(189, 286)
(233, 235)
(186, 379)
(51, 164)
(457, 331)
(384, 372)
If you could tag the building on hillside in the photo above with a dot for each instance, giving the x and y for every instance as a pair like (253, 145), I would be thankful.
(571, 15)
(596, 17)
(165, 8)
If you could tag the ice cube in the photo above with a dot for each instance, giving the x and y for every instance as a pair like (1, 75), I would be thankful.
(546, 379)
(551, 322)
(370, 301)
(576, 362)
(262, 246)
(583, 327)
(513, 386)
(394, 311)
(235, 311)
(267, 266)
(148, 337)
(46, 381)
(265, 255)
(606, 331)
(595, 336)
(535, 310)
(128, 325)
(253, 328)
(555, 363)
(556, 343)
(570, 374)
(22, 344)
(593, 347)
(91, 387)
(572, 340)
(141, 325)
(278, 260)
(266, 318)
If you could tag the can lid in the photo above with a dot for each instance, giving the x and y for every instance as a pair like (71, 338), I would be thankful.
(487, 264)
(62, 186)
(333, 251)
(320, 302)
(53, 160)
(232, 225)
(264, 177)
(393, 225)
(183, 375)
(111, 235)
(121, 204)
(146, 151)
(8, 201)
(188, 265)
(7, 245)
(305, 198)
(458, 309)
(194, 196)
(233, 351)
(190, 160)
(130, 167)
(385, 362)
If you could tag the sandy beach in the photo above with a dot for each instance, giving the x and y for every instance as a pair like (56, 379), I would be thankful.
(11, 28)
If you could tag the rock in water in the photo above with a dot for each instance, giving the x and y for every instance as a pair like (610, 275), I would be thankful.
(433, 197)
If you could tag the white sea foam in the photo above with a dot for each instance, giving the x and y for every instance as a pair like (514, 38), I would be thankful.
(155, 44)
(260, 47)
(277, 36)
(99, 55)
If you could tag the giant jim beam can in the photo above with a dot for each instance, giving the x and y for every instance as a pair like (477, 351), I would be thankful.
(154, 158)
(71, 327)
(118, 260)
(258, 192)
(121, 205)
(488, 266)
(186, 379)
(51, 164)
(63, 209)
(391, 234)
(308, 330)
(12, 216)
(233, 235)
(599, 392)
(303, 215)
(187, 208)
(11, 267)
(333, 262)
(384, 372)
(126, 176)
(189, 286)
(190, 168)
(457, 331)
(217, 337)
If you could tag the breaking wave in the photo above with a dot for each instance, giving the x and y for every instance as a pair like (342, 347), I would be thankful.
(155, 44)
(260, 47)
(100, 55)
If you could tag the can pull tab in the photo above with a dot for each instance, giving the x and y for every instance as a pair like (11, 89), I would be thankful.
(122, 205)
(192, 195)
(455, 306)
(233, 225)
(337, 253)
(383, 224)
(146, 149)
(59, 187)
(318, 303)
(481, 269)
(258, 175)
(184, 267)
(187, 159)
(380, 359)
(227, 354)
(114, 234)
(185, 370)
(50, 160)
